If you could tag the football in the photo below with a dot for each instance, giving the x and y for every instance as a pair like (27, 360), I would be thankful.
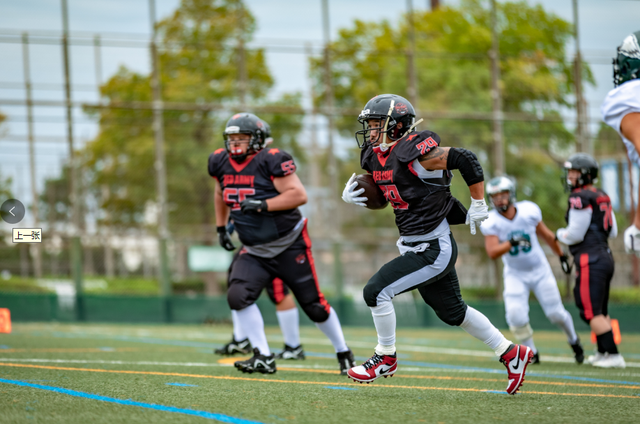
(375, 196)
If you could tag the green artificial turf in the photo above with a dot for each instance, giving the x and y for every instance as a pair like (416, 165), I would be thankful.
(434, 382)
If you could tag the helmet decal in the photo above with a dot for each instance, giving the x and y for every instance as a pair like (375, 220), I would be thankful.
(236, 116)
(630, 47)
(626, 64)
(401, 108)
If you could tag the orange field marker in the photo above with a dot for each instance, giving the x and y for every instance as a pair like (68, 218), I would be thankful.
(5, 320)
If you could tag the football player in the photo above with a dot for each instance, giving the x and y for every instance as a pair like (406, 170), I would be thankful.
(590, 223)
(414, 172)
(258, 188)
(621, 111)
(512, 231)
(286, 312)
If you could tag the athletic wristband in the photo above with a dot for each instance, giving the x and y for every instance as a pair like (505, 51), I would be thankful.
(221, 229)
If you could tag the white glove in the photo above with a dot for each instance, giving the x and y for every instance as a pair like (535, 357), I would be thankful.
(477, 213)
(632, 240)
(350, 194)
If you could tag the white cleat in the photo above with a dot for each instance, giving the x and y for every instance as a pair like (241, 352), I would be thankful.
(593, 358)
(610, 361)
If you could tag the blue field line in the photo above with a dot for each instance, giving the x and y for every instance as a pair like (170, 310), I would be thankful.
(499, 392)
(181, 385)
(202, 414)
(339, 388)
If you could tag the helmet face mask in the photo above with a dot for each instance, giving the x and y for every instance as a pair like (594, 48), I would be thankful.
(250, 124)
(626, 64)
(583, 163)
(391, 111)
(502, 184)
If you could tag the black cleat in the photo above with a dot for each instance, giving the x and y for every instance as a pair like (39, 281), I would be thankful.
(234, 347)
(346, 361)
(535, 359)
(578, 351)
(257, 363)
(293, 353)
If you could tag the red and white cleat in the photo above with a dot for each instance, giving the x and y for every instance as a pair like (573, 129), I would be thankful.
(516, 359)
(375, 367)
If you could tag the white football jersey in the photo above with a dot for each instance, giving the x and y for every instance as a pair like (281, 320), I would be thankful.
(619, 102)
(524, 223)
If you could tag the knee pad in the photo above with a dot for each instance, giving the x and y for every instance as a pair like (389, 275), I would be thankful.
(556, 317)
(522, 333)
(454, 316)
(315, 311)
(238, 297)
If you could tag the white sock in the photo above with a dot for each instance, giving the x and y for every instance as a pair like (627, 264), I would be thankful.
(479, 326)
(290, 326)
(332, 329)
(252, 324)
(529, 343)
(384, 318)
(238, 334)
(566, 325)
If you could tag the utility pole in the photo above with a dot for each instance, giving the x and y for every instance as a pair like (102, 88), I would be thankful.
(333, 165)
(242, 67)
(97, 53)
(314, 168)
(412, 78)
(498, 143)
(37, 263)
(76, 246)
(582, 137)
(160, 166)
(434, 4)
(496, 97)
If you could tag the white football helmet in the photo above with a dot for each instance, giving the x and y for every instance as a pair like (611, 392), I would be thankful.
(501, 184)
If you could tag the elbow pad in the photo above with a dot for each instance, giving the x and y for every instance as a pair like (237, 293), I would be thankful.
(467, 163)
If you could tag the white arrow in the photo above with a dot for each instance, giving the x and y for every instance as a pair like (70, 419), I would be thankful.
(11, 210)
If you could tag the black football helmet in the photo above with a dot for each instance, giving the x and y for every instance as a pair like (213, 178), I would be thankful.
(587, 166)
(391, 109)
(246, 123)
(268, 139)
(626, 65)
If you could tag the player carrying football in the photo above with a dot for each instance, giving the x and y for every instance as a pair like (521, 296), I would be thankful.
(512, 231)
(590, 223)
(621, 111)
(414, 172)
(258, 188)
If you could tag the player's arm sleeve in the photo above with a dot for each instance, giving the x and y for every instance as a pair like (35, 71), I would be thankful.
(488, 229)
(614, 226)
(536, 213)
(579, 220)
(280, 163)
(211, 166)
(619, 103)
(467, 163)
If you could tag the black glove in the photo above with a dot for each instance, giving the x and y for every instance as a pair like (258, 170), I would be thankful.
(519, 240)
(253, 206)
(566, 266)
(224, 239)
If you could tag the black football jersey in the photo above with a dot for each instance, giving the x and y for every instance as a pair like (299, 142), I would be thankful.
(597, 235)
(420, 200)
(253, 178)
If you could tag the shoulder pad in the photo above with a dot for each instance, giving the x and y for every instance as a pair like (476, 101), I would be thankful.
(580, 199)
(365, 156)
(416, 144)
(279, 162)
(215, 159)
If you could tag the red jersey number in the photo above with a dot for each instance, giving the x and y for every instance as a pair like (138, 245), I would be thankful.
(393, 195)
(229, 196)
(288, 167)
(426, 145)
(608, 215)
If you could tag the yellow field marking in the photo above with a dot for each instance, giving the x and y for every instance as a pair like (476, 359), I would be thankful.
(230, 361)
(439, 377)
(267, 380)
(72, 350)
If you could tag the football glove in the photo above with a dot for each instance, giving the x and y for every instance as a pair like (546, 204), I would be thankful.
(519, 240)
(350, 194)
(251, 206)
(566, 266)
(477, 213)
(224, 239)
(632, 240)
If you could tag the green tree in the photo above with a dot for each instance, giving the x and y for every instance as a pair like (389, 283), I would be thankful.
(199, 61)
(453, 69)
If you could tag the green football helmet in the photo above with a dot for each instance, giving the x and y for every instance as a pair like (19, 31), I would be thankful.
(626, 65)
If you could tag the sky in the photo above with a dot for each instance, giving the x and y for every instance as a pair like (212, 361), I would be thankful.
(603, 25)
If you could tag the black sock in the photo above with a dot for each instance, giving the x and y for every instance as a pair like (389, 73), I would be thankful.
(606, 343)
